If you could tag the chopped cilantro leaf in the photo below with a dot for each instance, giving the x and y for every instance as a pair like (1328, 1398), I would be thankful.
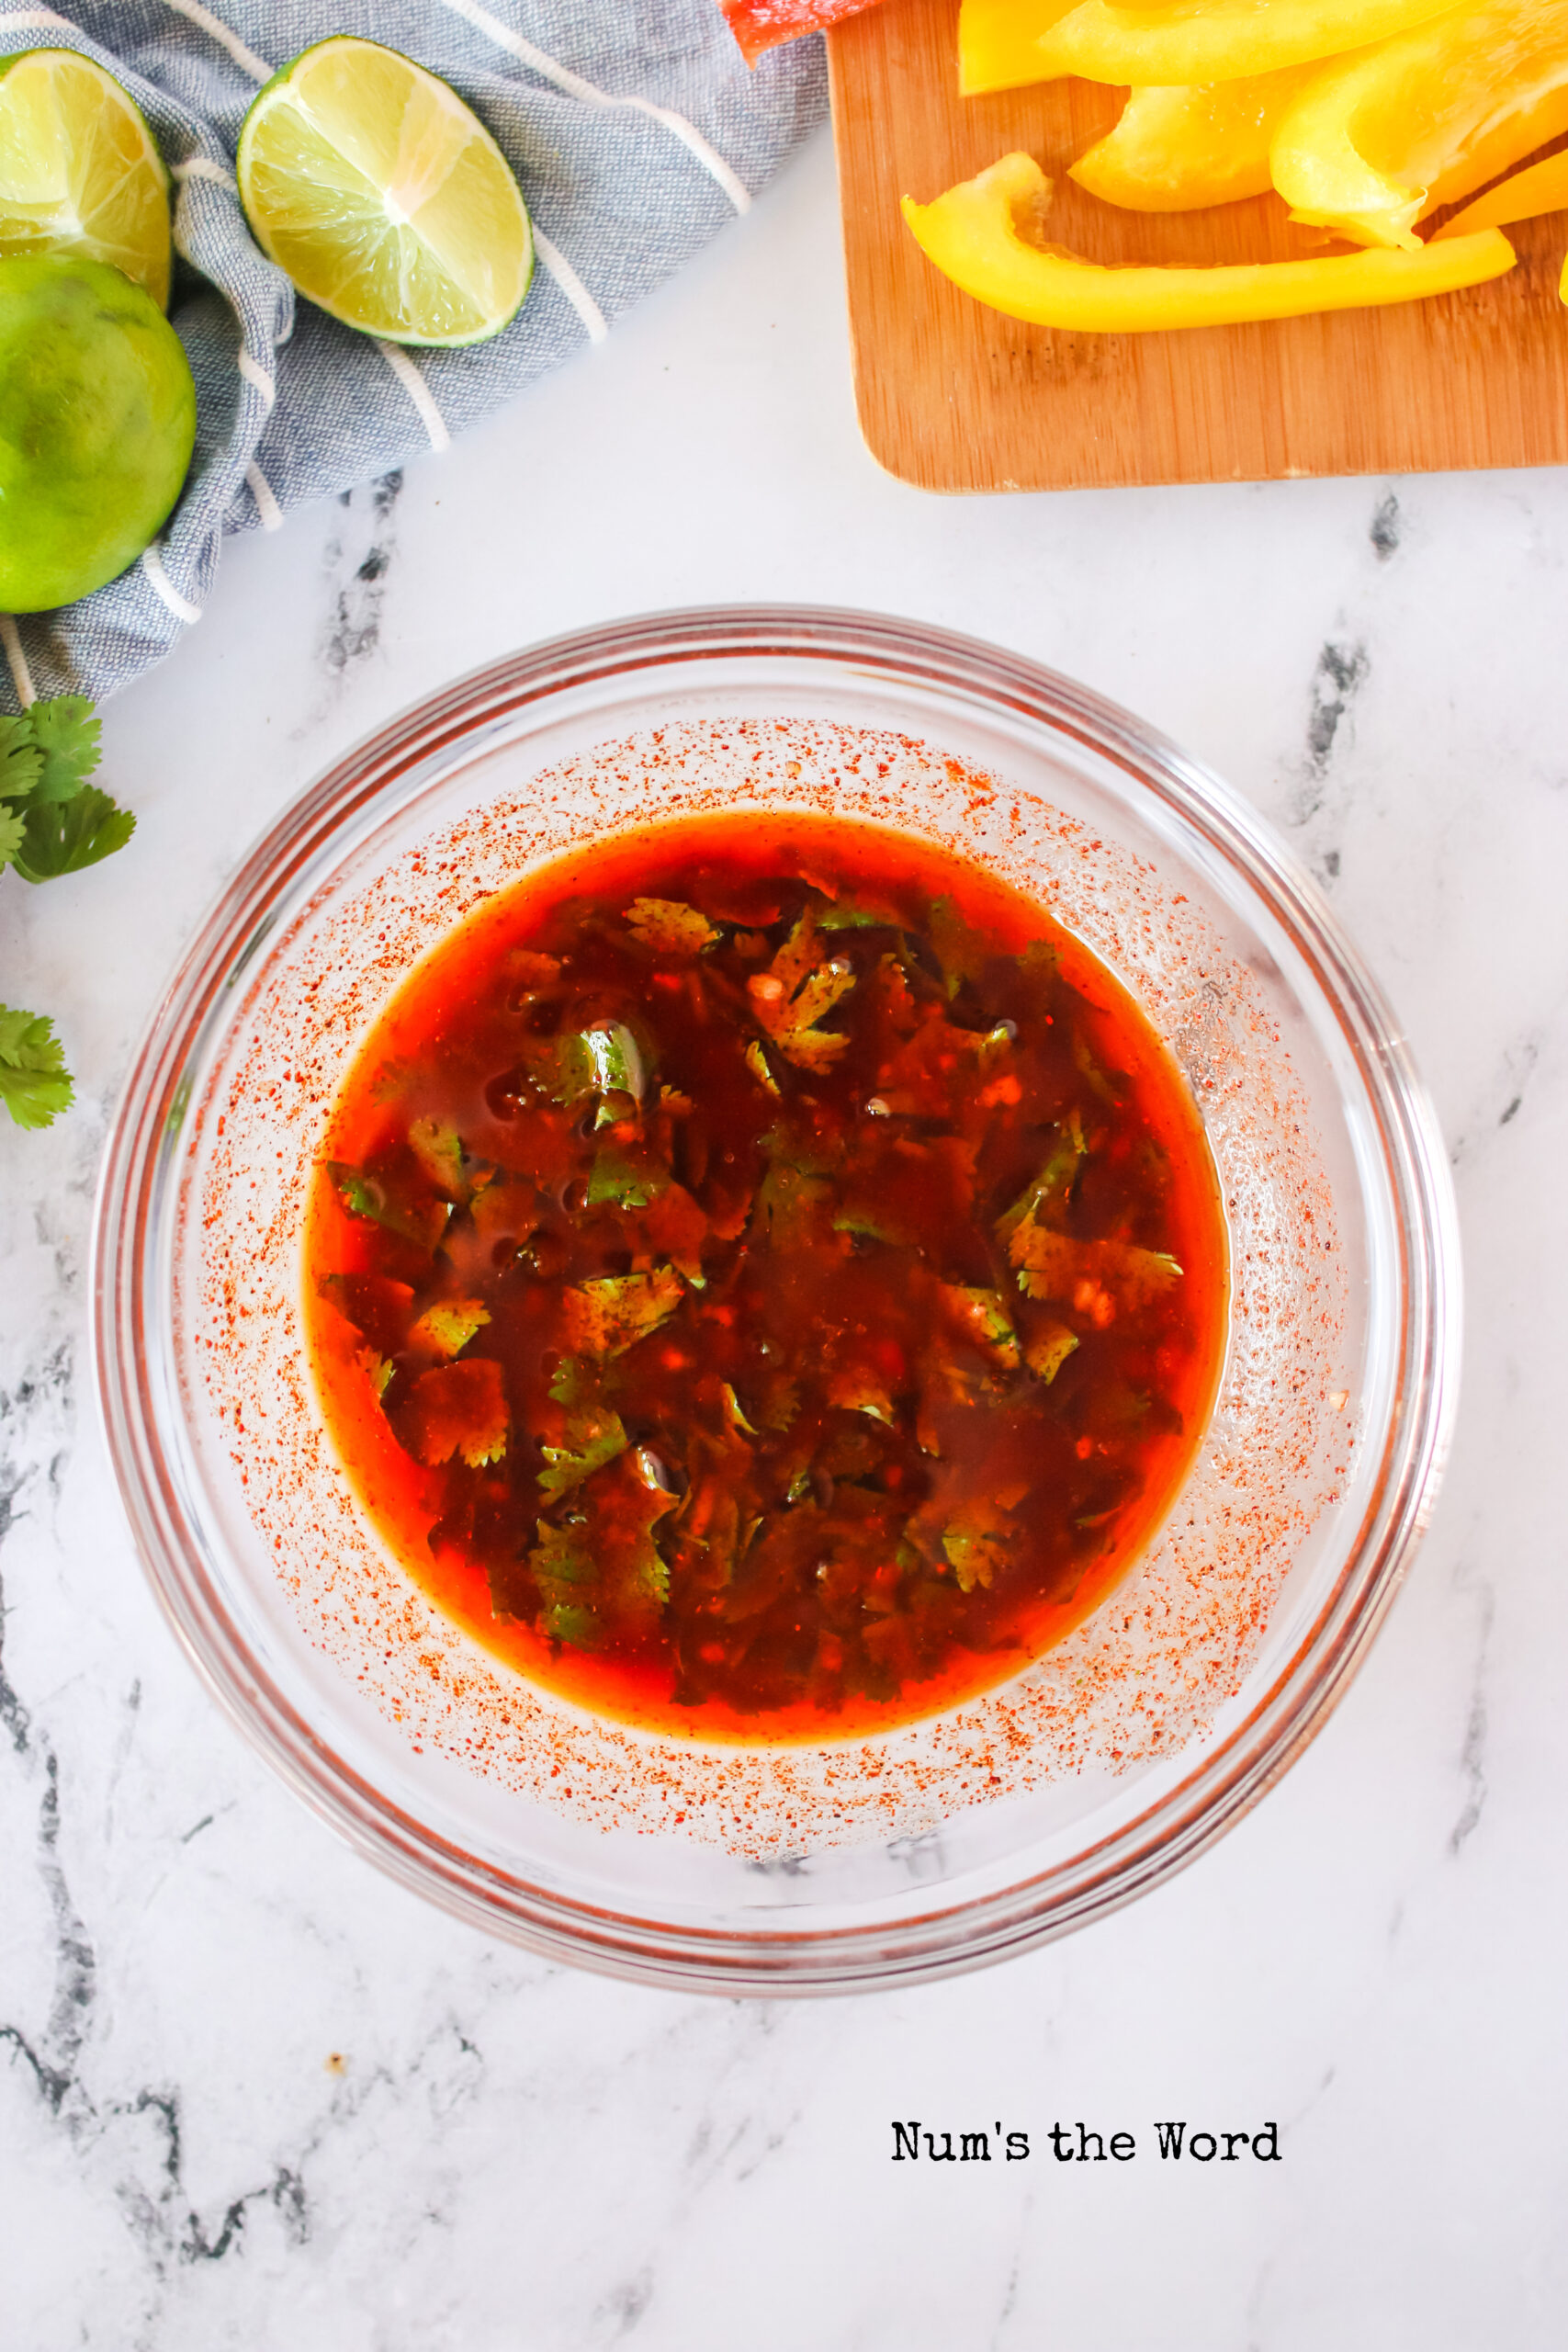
(13, 833)
(795, 992)
(605, 1316)
(617, 1060)
(732, 1412)
(459, 1408)
(628, 1514)
(994, 1046)
(1051, 1191)
(502, 1216)
(1091, 1071)
(565, 1572)
(670, 928)
(675, 1226)
(360, 1196)
(447, 1326)
(788, 1203)
(1097, 1277)
(533, 971)
(592, 1432)
(709, 1533)
(435, 1146)
(962, 951)
(897, 996)
(366, 1195)
(602, 1557)
(626, 1177)
(576, 1384)
(501, 1207)
(615, 1109)
(592, 1439)
(978, 1539)
(1048, 1351)
(377, 1369)
(873, 1222)
(1119, 1406)
(757, 1063)
(379, 1308)
(813, 1153)
(581, 1063)
(35, 1085)
(856, 1390)
(579, 1628)
(856, 914)
(982, 1316)
(781, 1401)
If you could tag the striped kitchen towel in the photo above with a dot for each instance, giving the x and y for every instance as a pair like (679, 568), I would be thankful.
(637, 133)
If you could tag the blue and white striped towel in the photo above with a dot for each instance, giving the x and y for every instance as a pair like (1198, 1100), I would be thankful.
(636, 130)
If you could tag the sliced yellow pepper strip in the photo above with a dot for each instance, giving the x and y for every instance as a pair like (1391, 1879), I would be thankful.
(1178, 148)
(979, 235)
(1372, 144)
(1184, 41)
(1543, 188)
(998, 42)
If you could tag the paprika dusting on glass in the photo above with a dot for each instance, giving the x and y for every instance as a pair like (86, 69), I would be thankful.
(765, 1279)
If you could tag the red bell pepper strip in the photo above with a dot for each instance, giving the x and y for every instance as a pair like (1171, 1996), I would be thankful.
(762, 25)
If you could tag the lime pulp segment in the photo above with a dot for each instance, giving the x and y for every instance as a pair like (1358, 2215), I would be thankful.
(79, 171)
(385, 199)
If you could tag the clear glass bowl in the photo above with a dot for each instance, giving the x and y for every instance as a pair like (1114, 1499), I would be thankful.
(1102, 1767)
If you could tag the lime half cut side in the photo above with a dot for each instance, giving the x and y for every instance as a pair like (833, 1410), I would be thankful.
(383, 198)
(79, 172)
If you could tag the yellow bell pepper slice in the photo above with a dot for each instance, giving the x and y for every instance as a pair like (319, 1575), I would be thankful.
(1543, 188)
(997, 41)
(1003, 43)
(1372, 144)
(982, 234)
(1177, 149)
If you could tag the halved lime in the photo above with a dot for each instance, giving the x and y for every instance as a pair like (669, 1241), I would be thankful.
(383, 198)
(79, 172)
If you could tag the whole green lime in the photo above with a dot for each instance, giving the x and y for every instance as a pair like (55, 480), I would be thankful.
(97, 421)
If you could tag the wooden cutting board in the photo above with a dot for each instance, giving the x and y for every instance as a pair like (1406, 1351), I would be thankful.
(953, 396)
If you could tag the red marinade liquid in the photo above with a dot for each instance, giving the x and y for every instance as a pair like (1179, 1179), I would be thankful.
(780, 1312)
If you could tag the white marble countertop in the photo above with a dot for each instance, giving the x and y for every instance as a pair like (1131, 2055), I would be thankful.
(252, 2095)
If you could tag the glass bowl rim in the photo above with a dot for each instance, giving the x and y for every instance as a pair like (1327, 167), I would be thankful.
(1227, 1779)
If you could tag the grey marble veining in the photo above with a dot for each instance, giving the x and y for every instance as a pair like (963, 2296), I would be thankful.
(251, 2095)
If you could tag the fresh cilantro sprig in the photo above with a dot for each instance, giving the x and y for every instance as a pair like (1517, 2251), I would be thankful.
(35, 1085)
(53, 822)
